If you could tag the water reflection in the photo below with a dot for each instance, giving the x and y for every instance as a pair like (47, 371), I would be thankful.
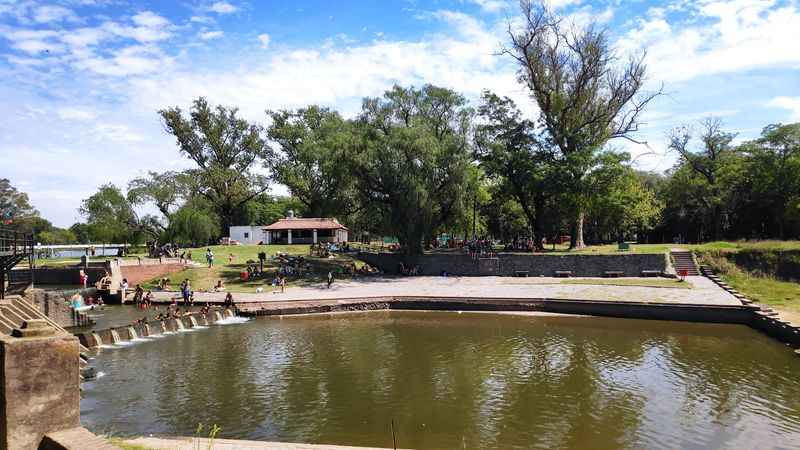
(457, 381)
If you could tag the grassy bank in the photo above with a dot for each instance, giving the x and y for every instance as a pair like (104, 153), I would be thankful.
(230, 261)
(764, 272)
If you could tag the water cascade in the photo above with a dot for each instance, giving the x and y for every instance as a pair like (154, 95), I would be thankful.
(97, 341)
(147, 329)
(193, 321)
(132, 333)
(115, 337)
(205, 320)
(229, 313)
(163, 327)
(217, 316)
(179, 324)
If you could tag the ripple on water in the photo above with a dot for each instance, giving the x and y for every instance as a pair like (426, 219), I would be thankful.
(454, 381)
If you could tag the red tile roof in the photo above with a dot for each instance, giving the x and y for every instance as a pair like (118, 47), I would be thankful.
(317, 223)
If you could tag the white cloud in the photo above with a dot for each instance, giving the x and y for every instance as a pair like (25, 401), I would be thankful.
(491, 6)
(264, 39)
(149, 27)
(208, 35)
(725, 36)
(222, 8)
(133, 60)
(53, 13)
(76, 114)
(792, 104)
(201, 19)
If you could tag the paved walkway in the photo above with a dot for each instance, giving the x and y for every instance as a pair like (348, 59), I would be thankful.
(704, 291)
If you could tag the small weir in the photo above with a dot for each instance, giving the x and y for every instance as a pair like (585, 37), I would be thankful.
(97, 341)
(217, 315)
(193, 321)
(115, 337)
(179, 324)
(163, 327)
(147, 329)
(132, 333)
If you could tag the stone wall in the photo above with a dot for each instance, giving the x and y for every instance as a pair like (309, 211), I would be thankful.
(140, 274)
(60, 275)
(630, 264)
(53, 305)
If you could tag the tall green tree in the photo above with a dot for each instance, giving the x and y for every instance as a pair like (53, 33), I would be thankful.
(510, 152)
(226, 150)
(15, 207)
(585, 97)
(309, 157)
(774, 166)
(110, 217)
(194, 224)
(411, 160)
(707, 171)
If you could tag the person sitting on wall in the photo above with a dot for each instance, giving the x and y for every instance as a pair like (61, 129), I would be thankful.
(229, 300)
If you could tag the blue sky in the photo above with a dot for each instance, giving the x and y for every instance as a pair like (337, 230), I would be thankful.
(83, 79)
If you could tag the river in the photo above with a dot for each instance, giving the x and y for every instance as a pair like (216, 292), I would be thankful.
(450, 380)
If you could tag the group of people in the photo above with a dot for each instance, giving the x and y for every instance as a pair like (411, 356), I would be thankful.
(142, 299)
(480, 248)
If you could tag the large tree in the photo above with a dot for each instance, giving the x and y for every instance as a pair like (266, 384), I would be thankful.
(226, 150)
(707, 171)
(110, 216)
(15, 208)
(586, 97)
(310, 159)
(411, 160)
(512, 154)
(774, 167)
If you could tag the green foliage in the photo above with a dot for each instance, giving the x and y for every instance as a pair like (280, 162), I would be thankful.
(15, 208)
(225, 149)
(310, 159)
(56, 236)
(110, 217)
(194, 224)
(411, 160)
(266, 209)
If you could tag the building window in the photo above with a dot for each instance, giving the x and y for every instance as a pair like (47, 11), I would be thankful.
(247, 235)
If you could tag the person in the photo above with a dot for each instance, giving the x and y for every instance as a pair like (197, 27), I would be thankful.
(138, 294)
(228, 300)
(148, 299)
(188, 256)
(210, 257)
(231, 257)
(330, 279)
(83, 278)
(124, 288)
(283, 285)
(183, 257)
(186, 291)
(219, 287)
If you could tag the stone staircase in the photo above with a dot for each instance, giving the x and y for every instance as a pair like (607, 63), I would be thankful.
(15, 311)
(683, 260)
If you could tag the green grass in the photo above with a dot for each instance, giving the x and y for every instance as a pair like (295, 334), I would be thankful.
(204, 278)
(654, 283)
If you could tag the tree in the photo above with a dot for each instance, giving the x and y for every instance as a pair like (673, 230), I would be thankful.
(14, 205)
(310, 159)
(411, 158)
(511, 153)
(774, 167)
(194, 224)
(165, 190)
(56, 236)
(584, 96)
(266, 209)
(110, 217)
(225, 149)
(706, 169)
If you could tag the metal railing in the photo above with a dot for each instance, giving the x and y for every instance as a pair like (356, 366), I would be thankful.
(15, 247)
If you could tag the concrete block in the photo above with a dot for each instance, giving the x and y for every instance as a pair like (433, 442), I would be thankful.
(39, 388)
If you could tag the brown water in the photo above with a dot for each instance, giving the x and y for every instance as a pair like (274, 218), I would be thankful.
(452, 380)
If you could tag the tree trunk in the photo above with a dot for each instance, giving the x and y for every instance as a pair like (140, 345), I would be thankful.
(576, 235)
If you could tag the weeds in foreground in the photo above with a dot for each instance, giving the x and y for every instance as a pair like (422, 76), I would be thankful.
(213, 431)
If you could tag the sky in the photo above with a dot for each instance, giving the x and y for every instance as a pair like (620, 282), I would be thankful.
(82, 80)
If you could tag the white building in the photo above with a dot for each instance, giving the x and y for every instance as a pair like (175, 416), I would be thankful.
(248, 234)
(292, 230)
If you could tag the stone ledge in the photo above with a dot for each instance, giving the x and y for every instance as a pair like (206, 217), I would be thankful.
(78, 438)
